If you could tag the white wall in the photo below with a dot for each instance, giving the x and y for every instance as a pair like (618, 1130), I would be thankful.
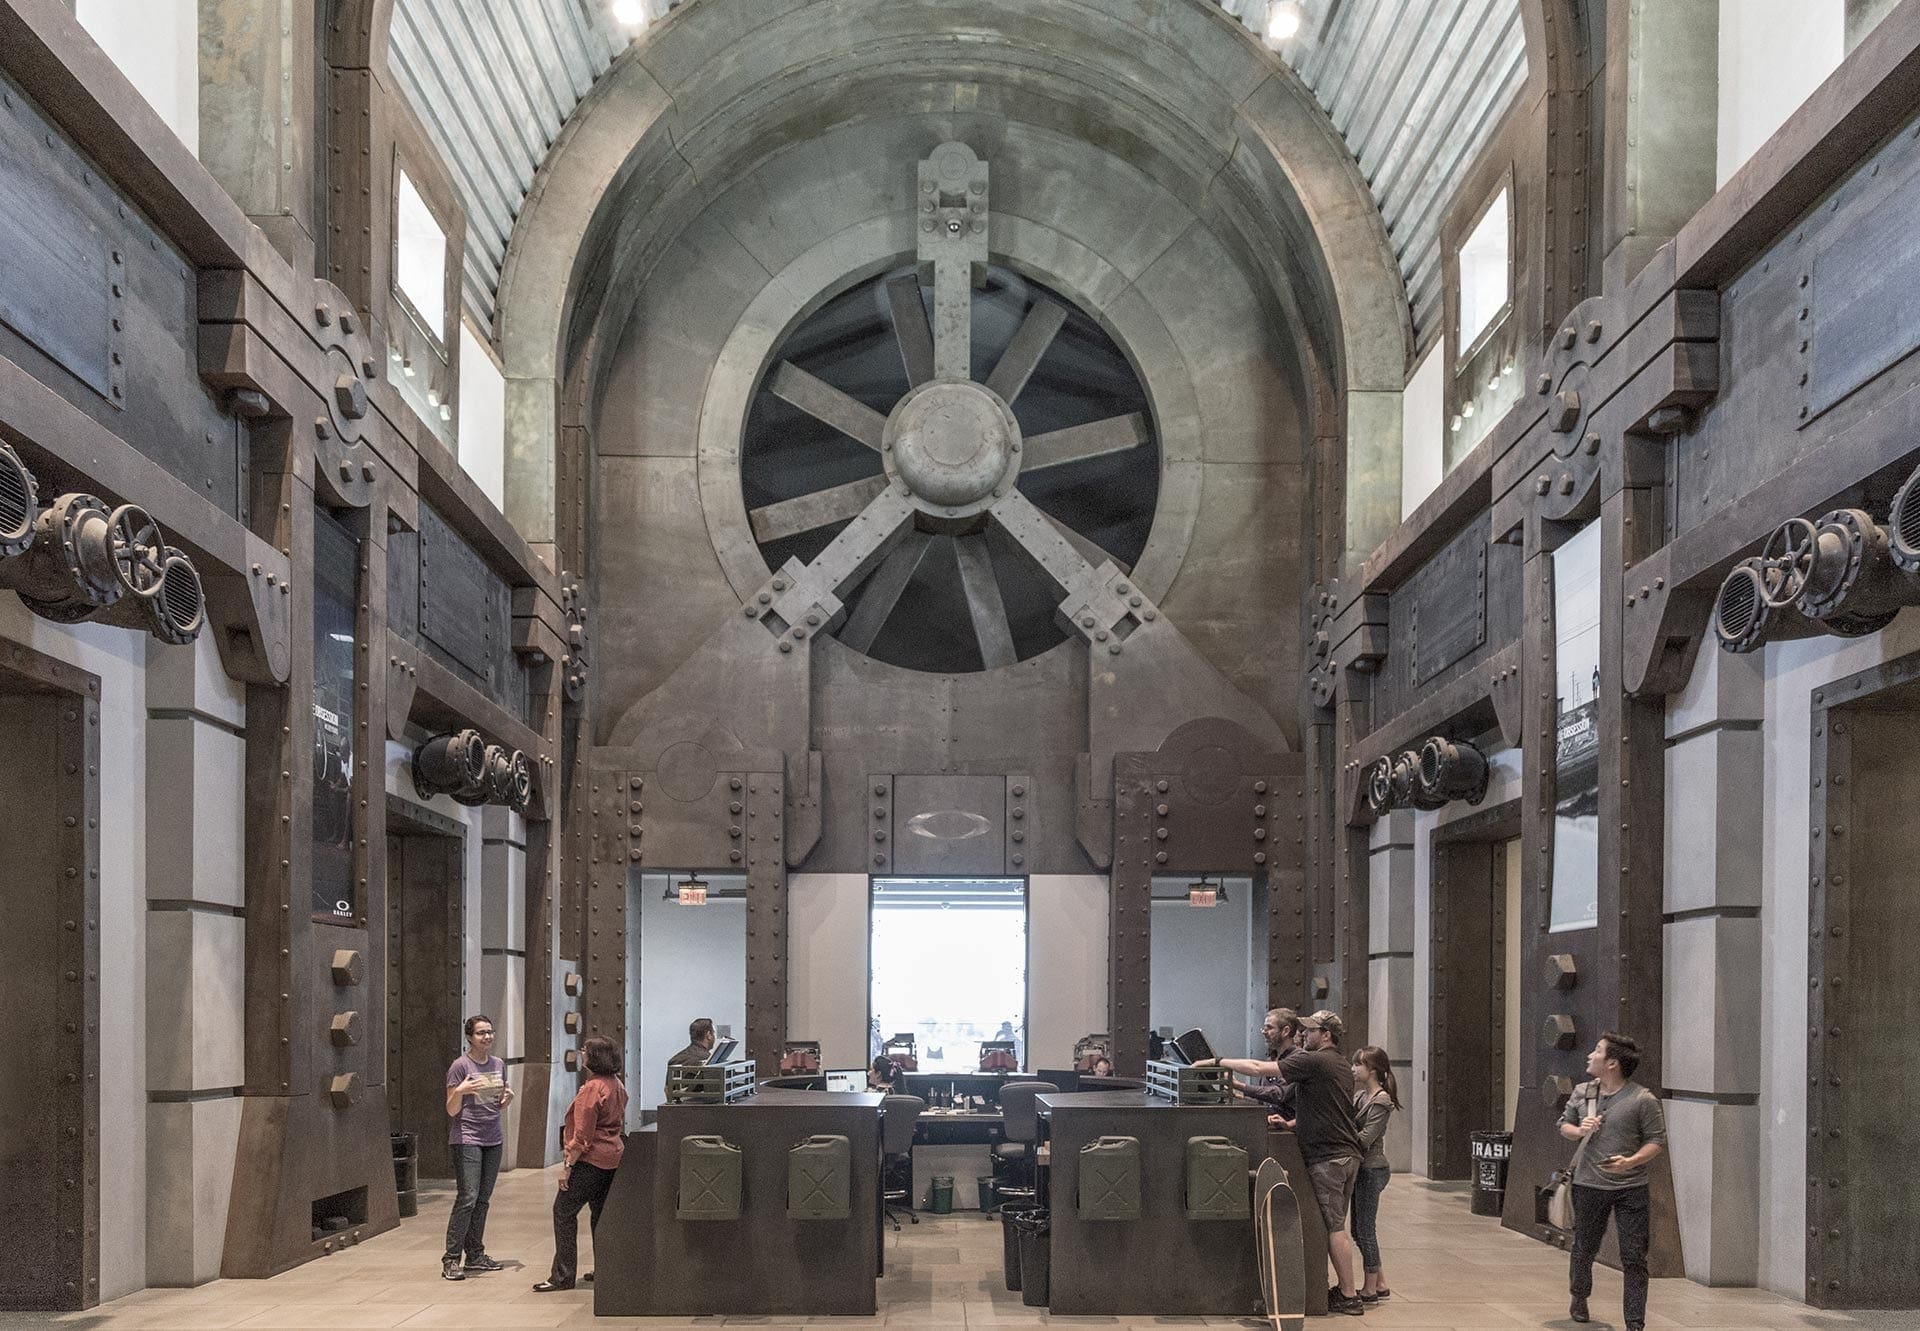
(1066, 964)
(1423, 430)
(119, 658)
(156, 43)
(827, 942)
(483, 416)
(1773, 53)
(1201, 960)
(693, 963)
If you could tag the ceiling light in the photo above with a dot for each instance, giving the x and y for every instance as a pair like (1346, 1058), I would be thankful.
(633, 13)
(1283, 21)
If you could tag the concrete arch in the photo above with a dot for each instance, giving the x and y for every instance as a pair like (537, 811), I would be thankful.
(1178, 87)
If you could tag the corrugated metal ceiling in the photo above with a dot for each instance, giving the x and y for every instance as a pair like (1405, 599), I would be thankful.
(1414, 86)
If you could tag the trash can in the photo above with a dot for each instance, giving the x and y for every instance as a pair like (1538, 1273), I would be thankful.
(1491, 1151)
(1010, 1216)
(988, 1199)
(1036, 1256)
(406, 1172)
(940, 1195)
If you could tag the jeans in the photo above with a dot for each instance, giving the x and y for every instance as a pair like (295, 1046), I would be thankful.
(1630, 1209)
(474, 1170)
(587, 1185)
(1366, 1213)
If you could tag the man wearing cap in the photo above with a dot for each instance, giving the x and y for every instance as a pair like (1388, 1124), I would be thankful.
(1329, 1140)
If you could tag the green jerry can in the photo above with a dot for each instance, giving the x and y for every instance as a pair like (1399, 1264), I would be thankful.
(1216, 1180)
(820, 1179)
(1110, 1179)
(709, 1179)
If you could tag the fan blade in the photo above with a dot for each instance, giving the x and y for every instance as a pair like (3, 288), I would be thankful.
(1096, 439)
(1030, 343)
(822, 508)
(910, 328)
(882, 591)
(989, 612)
(822, 401)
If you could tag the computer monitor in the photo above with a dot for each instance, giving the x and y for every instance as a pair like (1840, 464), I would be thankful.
(724, 1048)
(1189, 1047)
(851, 1080)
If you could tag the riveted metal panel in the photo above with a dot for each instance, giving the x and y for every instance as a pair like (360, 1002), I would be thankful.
(766, 920)
(609, 860)
(1447, 605)
(462, 602)
(949, 825)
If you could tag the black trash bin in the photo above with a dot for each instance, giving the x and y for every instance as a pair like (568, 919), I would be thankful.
(1036, 1256)
(1491, 1150)
(406, 1172)
(1010, 1239)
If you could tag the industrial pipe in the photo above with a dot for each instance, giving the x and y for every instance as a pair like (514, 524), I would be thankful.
(449, 764)
(1452, 770)
(77, 559)
(1380, 785)
(19, 504)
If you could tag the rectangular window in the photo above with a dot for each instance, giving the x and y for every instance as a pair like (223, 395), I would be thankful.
(420, 256)
(336, 583)
(1486, 275)
(949, 967)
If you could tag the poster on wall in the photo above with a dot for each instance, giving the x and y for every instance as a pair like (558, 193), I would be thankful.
(1576, 725)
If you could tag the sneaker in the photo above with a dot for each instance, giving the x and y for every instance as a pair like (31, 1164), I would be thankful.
(483, 1263)
(1376, 1296)
(450, 1269)
(1578, 1310)
(1345, 1305)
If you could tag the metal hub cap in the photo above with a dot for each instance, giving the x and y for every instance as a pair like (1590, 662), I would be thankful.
(952, 442)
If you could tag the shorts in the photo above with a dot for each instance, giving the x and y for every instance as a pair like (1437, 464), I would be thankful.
(1333, 1189)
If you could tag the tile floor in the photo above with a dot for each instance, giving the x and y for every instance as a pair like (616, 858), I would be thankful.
(1450, 1271)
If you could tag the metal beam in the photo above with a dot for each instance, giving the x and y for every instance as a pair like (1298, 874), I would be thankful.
(882, 592)
(989, 612)
(1089, 549)
(910, 328)
(1095, 439)
(1030, 343)
(822, 401)
(822, 508)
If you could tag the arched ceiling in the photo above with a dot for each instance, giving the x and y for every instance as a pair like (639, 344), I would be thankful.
(1415, 87)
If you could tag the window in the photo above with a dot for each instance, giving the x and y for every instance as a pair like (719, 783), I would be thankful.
(1486, 287)
(949, 967)
(420, 256)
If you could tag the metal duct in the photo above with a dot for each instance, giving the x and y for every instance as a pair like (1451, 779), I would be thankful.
(83, 560)
(19, 504)
(1380, 785)
(449, 764)
(176, 610)
(1452, 770)
(1745, 616)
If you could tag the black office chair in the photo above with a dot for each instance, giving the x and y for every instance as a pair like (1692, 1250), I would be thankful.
(896, 1150)
(1020, 1123)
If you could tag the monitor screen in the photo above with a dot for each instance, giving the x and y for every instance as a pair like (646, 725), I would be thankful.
(856, 1080)
(723, 1050)
(1193, 1046)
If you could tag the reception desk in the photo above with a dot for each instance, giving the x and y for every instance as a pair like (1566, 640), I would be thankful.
(1161, 1263)
(650, 1262)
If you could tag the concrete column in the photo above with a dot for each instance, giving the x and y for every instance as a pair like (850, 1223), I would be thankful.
(195, 947)
(503, 950)
(1712, 961)
(1390, 988)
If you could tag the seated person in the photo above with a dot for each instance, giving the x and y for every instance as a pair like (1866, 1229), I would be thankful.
(884, 1076)
(1102, 1067)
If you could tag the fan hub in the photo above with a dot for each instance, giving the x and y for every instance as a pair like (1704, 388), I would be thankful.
(953, 443)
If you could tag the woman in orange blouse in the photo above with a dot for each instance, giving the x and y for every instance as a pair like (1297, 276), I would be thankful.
(590, 1152)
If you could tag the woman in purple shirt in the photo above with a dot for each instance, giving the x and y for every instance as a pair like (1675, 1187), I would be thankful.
(477, 1091)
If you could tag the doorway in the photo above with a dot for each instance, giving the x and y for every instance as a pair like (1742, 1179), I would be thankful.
(426, 973)
(1473, 1046)
(1863, 1163)
(49, 986)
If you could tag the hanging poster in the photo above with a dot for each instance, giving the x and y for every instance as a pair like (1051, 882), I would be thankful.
(1576, 764)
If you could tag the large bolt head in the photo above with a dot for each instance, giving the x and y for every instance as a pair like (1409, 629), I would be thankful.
(344, 1089)
(350, 396)
(1566, 412)
(347, 967)
(1559, 1032)
(1561, 971)
(345, 1029)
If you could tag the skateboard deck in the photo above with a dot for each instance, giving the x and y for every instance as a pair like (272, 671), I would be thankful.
(1276, 1229)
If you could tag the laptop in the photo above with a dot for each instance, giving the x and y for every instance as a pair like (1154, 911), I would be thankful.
(856, 1080)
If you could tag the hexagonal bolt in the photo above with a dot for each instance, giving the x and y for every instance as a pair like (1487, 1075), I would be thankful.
(572, 1061)
(345, 1029)
(1559, 1033)
(572, 1023)
(1566, 412)
(572, 982)
(347, 967)
(1561, 972)
(1321, 988)
(1556, 1091)
(344, 1089)
(350, 396)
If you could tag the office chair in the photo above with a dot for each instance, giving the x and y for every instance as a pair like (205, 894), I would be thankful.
(898, 1113)
(1020, 1122)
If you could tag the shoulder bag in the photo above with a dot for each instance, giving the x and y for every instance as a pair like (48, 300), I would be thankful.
(1560, 1186)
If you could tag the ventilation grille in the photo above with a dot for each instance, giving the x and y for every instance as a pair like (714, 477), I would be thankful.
(1739, 608)
(17, 507)
(182, 603)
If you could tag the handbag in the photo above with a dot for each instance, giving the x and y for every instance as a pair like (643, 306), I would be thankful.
(1560, 1185)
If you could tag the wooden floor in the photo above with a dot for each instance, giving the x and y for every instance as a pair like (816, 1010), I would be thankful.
(1448, 1269)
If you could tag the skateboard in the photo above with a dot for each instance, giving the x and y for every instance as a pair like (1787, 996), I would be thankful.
(1277, 1251)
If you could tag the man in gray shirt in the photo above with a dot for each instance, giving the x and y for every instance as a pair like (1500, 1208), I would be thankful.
(1621, 1128)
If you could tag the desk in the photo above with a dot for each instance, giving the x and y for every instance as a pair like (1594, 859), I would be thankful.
(955, 1142)
(1162, 1264)
(650, 1263)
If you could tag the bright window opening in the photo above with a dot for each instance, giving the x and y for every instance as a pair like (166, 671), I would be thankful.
(949, 968)
(1485, 274)
(420, 261)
